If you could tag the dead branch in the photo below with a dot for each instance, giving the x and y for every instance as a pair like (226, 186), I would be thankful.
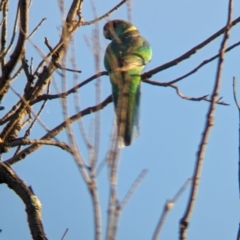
(3, 54)
(18, 51)
(72, 90)
(24, 142)
(33, 205)
(202, 64)
(184, 222)
(189, 53)
(12, 128)
(36, 28)
(202, 98)
(167, 207)
(132, 189)
(103, 16)
(58, 129)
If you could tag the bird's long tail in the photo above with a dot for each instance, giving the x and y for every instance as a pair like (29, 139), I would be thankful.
(128, 112)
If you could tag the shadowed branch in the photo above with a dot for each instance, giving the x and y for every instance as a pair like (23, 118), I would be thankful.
(33, 205)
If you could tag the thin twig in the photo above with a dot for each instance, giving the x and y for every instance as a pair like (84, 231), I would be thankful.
(27, 133)
(4, 31)
(65, 233)
(9, 115)
(72, 90)
(129, 10)
(36, 28)
(3, 54)
(30, 109)
(16, 74)
(133, 188)
(97, 61)
(67, 69)
(203, 63)
(77, 101)
(238, 106)
(103, 16)
(18, 51)
(79, 160)
(184, 222)
(202, 98)
(166, 208)
(48, 44)
(235, 93)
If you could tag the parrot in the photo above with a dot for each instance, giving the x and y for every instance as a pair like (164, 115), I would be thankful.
(125, 58)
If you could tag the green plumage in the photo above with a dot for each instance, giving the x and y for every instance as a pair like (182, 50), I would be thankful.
(125, 58)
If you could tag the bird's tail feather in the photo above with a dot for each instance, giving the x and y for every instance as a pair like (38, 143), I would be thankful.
(127, 114)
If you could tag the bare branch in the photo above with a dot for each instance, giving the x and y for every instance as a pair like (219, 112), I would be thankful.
(238, 106)
(48, 44)
(203, 63)
(113, 205)
(58, 65)
(4, 31)
(103, 16)
(72, 90)
(12, 128)
(25, 67)
(167, 207)
(96, 205)
(77, 101)
(9, 115)
(133, 189)
(65, 233)
(23, 142)
(29, 110)
(67, 69)
(36, 28)
(235, 94)
(58, 129)
(18, 51)
(202, 98)
(16, 74)
(3, 54)
(33, 205)
(184, 222)
(186, 55)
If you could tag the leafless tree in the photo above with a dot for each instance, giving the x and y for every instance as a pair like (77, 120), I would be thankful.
(18, 123)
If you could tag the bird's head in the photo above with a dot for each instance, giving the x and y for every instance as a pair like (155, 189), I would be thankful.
(115, 28)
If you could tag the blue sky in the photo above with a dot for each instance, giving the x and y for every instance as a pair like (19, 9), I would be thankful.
(170, 130)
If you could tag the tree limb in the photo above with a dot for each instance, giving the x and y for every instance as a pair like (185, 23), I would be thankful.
(33, 205)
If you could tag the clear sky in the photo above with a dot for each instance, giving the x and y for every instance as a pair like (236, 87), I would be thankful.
(170, 130)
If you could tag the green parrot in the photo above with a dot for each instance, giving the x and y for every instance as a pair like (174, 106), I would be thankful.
(124, 59)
